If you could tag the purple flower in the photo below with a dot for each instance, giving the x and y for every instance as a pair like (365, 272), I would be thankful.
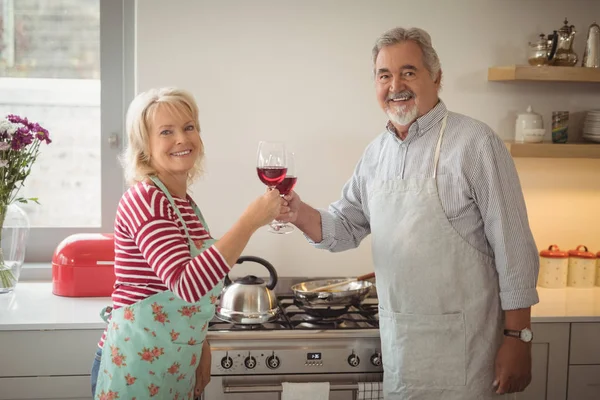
(21, 138)
(25, 134)
(41, 133)
(15, 119)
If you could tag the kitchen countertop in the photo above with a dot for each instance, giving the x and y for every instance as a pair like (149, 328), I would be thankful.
(32, 306)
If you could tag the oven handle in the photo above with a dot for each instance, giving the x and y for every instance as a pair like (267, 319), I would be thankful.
(279, 388)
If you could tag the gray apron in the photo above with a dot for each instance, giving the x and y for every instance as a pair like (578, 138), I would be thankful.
(439, 307)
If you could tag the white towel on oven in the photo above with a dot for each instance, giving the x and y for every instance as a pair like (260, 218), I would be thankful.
(370, 391)
(305, 391)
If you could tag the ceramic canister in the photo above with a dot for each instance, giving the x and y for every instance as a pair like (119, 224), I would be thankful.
(527, 120)
(554, 268)
(582, 268)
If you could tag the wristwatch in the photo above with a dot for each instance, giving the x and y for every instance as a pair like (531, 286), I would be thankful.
(525, 335)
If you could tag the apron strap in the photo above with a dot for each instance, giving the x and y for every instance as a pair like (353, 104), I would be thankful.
(164, 189)
(105, 313)
(199, 215)
(436, 157)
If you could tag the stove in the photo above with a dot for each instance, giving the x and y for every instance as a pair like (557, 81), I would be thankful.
(294, 316)
(339, 345)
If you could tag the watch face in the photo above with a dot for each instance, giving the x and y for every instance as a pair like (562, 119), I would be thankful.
(526, 335)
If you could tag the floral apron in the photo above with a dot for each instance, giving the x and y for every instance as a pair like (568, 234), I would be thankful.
(153, 347)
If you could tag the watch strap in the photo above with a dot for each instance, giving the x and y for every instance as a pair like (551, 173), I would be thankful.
(512, 333)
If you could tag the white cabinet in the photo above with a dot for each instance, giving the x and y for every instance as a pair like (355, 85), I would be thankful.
(47, 365)
(584, 362)
(584, 382)
(46, 388)
(550, 359)
(585, 344)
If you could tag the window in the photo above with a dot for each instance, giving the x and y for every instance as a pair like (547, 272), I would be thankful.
(68, 65)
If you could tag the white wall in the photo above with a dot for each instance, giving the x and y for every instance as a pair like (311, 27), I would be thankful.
(301, 72)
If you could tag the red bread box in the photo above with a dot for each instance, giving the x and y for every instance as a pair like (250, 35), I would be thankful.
(83, 266)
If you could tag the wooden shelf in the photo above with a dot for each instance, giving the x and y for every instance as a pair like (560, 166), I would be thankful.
(554, 150)
(544, 74)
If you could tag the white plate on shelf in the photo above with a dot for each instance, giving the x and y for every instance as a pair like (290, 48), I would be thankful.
(595, 139)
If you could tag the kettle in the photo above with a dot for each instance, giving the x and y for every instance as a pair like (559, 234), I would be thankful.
(542, 52)
(591, 56)
(249, 300)
(565, 36)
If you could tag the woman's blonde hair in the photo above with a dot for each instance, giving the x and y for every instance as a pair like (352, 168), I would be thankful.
(136, 158)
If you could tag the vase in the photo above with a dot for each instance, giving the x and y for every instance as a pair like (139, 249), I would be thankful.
(13, 242)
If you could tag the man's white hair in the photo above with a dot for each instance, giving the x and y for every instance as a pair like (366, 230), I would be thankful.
(416, 35)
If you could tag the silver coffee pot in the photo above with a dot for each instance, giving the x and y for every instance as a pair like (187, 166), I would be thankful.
(565, 36)
(591, 56)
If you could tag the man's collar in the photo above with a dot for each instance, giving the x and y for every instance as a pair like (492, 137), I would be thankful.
(425, 122)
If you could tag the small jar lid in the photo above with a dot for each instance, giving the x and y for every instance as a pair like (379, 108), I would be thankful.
(581, 254)
(529, 111)
(554, 252)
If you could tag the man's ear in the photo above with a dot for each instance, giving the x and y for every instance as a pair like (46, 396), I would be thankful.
(439, 78)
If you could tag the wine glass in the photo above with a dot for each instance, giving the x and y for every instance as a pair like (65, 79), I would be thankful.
(286, 186)
(271, 163)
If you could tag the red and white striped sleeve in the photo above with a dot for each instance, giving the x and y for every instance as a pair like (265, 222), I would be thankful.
(151, 221)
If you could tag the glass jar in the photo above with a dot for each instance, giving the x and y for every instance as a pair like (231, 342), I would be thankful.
(13, 242)
(582, 268)
(554, 268)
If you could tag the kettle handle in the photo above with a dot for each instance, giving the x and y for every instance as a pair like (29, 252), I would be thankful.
(554, 47)
(272, 273)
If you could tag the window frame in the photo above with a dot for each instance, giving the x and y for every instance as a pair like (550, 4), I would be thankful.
(117, 89)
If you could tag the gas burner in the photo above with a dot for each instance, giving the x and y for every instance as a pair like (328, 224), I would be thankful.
(217, 325)
(323, 312)
(247, 327)
(316, 319)
(317, 322)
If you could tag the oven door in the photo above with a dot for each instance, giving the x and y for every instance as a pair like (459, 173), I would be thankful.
(268, 387)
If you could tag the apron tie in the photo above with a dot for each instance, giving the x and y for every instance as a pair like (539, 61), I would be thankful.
(105, 313)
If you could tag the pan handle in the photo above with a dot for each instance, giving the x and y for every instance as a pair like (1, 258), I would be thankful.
(366, 276)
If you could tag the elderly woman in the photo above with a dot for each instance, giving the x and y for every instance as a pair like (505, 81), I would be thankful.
(169, 269)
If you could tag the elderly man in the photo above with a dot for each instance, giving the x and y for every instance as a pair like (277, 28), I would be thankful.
(455, 260)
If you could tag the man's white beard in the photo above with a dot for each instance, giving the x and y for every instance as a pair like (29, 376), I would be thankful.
(401, 116)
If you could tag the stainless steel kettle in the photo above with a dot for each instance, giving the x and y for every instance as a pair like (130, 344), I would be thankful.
(249, 300)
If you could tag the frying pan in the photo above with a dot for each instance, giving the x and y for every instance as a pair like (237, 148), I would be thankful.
(351, 292)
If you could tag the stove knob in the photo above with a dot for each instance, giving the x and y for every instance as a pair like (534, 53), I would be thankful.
(273, 362)
(226, 362)
(250, 362)
(353, 360)
(376, 359)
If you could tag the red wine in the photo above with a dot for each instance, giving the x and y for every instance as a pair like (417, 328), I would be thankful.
(271, 176)
(287, 185)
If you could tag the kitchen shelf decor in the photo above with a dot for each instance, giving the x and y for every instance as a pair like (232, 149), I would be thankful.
(554, 150)
(544, 73)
